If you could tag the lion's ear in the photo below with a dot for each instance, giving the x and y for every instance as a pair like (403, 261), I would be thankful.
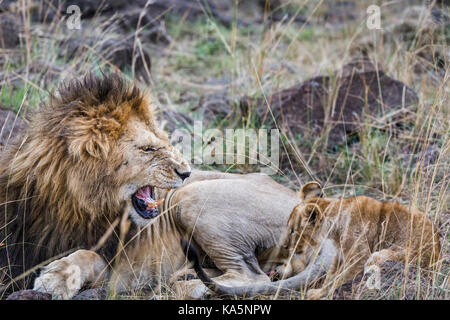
(84, 141)
(313, 214)
(310, 190)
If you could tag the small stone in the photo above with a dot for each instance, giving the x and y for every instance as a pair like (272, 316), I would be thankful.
(29, 295)
(92, 294)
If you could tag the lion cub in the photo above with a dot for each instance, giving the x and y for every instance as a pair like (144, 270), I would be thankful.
(365, 231)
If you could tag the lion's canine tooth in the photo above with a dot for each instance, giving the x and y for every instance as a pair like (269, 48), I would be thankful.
(154, 204)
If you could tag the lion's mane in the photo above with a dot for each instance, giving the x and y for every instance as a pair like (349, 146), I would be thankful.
(57, 187)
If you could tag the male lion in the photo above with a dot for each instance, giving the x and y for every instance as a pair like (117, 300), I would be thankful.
(92, 154)
(92, 173)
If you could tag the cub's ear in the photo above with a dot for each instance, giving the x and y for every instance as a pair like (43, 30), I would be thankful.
(313, 213)
(310, 190)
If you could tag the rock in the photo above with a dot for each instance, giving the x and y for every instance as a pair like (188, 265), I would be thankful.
(308, 107)
(192, 9)
(47, 11)
(10, 126)
(278, 10)
(347, 290)
(38, 71)
(8, 5)
(124, 54)
(153, 28)
(215, 106)
(171, 120)
(418, 23)
(9, 31)
(340, 12)
(153, 10)
(438, 3)
(421, 30)
(29, 295)
(92, 294)
(119, 52)
(426, 154)
(41, 72)
(426, 31)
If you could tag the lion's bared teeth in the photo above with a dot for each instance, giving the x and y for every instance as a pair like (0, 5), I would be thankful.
(153, 204)
(145, 194)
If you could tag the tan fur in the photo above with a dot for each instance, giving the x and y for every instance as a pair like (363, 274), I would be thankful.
(365, 231)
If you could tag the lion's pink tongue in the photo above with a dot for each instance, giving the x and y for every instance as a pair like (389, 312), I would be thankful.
(145, 194)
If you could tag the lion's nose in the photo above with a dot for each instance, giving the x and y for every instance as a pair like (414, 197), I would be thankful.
(183, 175)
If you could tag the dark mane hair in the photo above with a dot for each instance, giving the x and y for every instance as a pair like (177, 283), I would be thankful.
(41, 215)
(94, 90)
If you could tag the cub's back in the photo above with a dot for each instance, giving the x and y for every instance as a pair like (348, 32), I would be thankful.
(389, 224)
(412, 229)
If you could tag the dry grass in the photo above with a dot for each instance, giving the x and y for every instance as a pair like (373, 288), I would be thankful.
(409, 164)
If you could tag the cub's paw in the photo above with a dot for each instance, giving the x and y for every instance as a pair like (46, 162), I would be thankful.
(60, 279)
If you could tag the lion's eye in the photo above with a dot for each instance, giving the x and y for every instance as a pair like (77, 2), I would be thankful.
(148, 149)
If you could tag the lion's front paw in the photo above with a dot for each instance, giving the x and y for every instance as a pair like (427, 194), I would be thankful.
(315, 294)
(61, 279)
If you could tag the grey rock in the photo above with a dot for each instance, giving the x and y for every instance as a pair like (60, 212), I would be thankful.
(29, 295)
(92, 294)
(9, 31)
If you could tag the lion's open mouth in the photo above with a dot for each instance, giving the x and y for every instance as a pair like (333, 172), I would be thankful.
(144, 203)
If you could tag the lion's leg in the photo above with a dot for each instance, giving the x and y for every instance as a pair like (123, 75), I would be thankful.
(64, 277)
